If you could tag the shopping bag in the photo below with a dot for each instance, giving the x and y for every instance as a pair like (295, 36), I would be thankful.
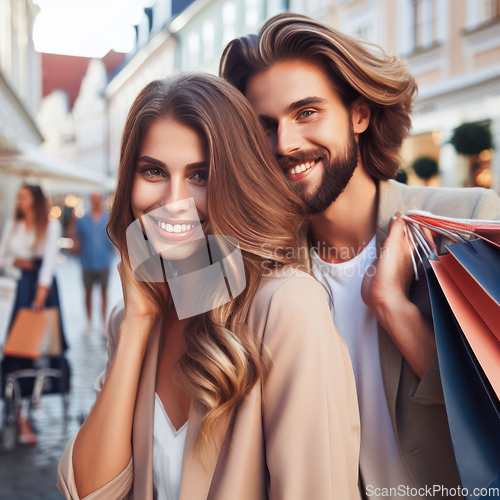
(464, 293)
(8, 288)
(473, 413)
(34, 333)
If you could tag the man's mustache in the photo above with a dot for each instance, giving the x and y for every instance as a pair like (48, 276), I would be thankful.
(310, 155)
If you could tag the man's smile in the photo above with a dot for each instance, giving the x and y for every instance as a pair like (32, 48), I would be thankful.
(298, 171)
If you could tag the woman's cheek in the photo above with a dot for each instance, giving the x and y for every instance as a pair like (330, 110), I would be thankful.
(145, 195)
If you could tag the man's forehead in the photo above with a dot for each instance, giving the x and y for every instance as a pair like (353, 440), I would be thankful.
(279, 88)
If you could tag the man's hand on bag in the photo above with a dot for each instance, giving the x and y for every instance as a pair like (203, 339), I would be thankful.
(385, 290)
(388, 280)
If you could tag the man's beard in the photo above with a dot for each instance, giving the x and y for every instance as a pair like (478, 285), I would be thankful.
(336, 175)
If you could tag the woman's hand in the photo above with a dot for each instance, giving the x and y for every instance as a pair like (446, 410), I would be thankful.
(138, 305)
(40, 297)
(24, 264)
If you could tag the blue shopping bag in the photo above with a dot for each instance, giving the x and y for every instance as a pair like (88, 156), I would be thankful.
(472, 407)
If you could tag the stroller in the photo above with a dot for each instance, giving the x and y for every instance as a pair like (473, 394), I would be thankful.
(22, 377)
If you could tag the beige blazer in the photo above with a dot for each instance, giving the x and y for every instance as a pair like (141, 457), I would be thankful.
(295, 436)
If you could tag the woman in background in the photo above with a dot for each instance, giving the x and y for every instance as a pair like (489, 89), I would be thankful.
(252, 399)
(28, 251)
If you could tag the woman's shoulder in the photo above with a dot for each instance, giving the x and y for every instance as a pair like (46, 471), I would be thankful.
(284, 279)
(287, 290)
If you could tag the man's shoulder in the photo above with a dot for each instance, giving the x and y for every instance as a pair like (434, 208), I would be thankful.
(463, 203)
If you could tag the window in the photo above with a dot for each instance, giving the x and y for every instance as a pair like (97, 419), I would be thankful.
(252, 14)
(228, 22)
(208, 41)
(193, 50)
(424, 23)
(481, 12)
(491, 9)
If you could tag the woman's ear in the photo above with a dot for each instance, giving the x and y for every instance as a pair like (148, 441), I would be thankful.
(360, 114)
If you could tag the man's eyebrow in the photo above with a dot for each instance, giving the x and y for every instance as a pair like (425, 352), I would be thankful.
(307, 101)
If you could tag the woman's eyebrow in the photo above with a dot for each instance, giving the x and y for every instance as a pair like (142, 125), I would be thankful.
(153, 161)
(197, 165)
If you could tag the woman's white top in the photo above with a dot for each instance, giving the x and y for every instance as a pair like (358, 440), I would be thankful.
(17, 243)
(168, 448)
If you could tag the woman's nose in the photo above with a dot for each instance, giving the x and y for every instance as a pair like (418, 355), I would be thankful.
(177, 198)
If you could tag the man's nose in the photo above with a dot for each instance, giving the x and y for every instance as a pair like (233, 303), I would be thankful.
(288, 139)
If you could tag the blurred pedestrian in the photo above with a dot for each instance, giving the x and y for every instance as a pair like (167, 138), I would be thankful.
(28, 250)
(95, 251)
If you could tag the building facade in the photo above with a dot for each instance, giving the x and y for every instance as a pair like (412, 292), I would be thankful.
(20, 92)
(453, 49)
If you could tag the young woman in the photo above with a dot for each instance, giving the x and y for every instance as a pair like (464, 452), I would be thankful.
(252, 399)
(28, 251)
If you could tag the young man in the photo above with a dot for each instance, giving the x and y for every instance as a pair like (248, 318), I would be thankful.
(336, 114)
(96, 253)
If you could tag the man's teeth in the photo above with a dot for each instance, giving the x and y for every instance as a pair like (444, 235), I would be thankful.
(177, 228)
(300, 168)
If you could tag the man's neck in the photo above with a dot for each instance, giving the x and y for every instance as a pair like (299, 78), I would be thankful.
(345, 228)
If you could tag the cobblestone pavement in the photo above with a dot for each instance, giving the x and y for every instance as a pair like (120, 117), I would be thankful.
(31, 473)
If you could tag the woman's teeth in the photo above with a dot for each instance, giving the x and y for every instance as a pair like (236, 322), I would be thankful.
(303, 166)
(176, 228)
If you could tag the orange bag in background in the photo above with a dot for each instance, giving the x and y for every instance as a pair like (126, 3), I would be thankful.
(34, 334)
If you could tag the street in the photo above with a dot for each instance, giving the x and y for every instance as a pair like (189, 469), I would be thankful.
(30, 473)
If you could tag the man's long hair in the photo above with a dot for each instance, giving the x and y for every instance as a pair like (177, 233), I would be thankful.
(355, 68)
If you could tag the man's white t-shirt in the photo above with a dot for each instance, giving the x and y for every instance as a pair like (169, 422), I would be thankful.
(380, 462)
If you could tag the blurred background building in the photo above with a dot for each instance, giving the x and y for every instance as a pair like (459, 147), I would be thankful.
(61, 116)
(69, 71)
(22, 135)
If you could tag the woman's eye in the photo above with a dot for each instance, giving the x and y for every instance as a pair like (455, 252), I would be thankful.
(306, 114)
(152, 172)
(200, 177)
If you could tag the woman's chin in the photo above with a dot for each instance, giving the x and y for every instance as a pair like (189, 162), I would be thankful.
(178, 251)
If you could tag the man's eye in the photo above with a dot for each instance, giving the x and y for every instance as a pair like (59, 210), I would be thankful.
(306, 113)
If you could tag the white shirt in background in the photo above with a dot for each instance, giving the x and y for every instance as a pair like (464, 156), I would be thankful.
(17, 243)
(380, 462)
(168, 449)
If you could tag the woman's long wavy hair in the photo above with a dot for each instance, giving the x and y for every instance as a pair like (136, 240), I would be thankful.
(355, 68)
(247, 198)
(40, 212)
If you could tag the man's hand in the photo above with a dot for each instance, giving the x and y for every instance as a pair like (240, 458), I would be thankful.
(389, 278)
(385, 289)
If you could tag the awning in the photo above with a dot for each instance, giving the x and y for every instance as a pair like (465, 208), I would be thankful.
(62, 176)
